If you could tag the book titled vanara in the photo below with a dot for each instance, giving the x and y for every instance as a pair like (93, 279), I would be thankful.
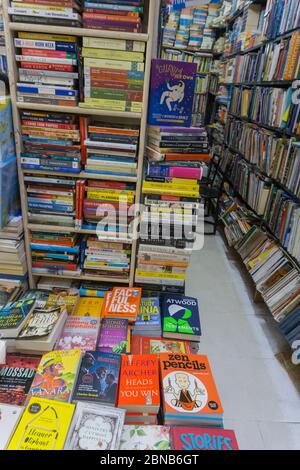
(123, 302)
(184, 438)
(79, 332)
(98, 378)
(190, 396)
(113, 336)
(171, 92)
(181, 318)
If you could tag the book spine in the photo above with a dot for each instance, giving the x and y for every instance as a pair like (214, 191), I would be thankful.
(114, 64)
(43, 13)
(55, 67)
(45, 45)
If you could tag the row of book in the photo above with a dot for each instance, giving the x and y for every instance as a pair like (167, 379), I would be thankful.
(280, 16)
(114, 16)
(268, 106)
(277, 157)
(204, 60)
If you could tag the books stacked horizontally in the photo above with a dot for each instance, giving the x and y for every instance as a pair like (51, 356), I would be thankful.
(51, 142)
(51, 201)
(54, 253)
(113, 74)
(106, 258)
(52, 12)
(110, 201)
(13, 266)
(149, 318)
(119, 15)
(112, 150)
(47, 69)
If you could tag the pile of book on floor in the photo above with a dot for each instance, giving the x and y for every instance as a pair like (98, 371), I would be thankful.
(113, 74)
(13, 267)
(112, 150)
(119, 15)
(52, 12)
(51, 142)
(48, 69)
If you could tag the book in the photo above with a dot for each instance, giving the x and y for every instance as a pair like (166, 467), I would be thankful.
(146, 345)
(113, 337)
(43, 426)
(9, 418)
(139, 437)
(79, 332)
(123, 303)
(149, 318)
(184, 438)
(172, 87)
(95, 427)
(89, 307)
(13, 317)
(98, 378)
(189, 392)
(181, 317)
(16, 377)
(56, 375)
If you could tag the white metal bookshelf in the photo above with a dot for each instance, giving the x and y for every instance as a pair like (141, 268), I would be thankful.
(11, 28)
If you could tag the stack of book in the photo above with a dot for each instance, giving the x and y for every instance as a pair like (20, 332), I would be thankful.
(119, 15)
(149, 318)
(170, 28)
(51, 142)
(111, 150)
(48, 69)
(107, 259)
(54, 253)
(13, 268)
(51, 12)
(113, 74)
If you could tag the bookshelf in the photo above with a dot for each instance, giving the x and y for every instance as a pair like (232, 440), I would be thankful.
(147, 36)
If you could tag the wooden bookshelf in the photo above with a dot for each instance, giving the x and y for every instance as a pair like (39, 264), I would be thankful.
(150, 16)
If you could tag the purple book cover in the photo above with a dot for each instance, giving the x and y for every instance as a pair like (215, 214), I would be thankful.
(113, 336)
(171, 92)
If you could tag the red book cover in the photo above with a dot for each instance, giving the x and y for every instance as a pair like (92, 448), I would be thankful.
(124, 302)
(150, 345)
(113, 18)
(49, 125)
(45, 53)
(107, 184)
(190, 438)
(83, 137)
(112, 12)
(45, 264)
(43, 66)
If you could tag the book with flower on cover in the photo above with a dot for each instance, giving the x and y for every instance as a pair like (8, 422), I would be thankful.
(79, 332)
(139, 437)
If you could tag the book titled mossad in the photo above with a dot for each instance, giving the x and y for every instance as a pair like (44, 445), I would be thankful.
(171, 92)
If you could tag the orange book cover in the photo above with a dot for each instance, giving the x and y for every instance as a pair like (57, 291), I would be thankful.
(188, 387)
(204, 157)
(139, 383)
(124, 302)
(153, 345)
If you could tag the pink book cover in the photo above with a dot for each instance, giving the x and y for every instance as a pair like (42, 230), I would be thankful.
(79, 332)
(185, 438)
(182, 172)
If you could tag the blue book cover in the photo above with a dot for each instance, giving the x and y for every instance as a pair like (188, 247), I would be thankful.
(98, 378)
(50, 168)
(181, 317)
(149, 312)
(172, 89)
(60, 249)
(57, 91)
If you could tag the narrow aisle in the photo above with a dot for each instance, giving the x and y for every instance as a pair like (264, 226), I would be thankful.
(260, 401)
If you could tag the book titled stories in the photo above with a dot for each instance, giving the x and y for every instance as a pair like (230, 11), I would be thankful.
(79, 332)
(98, 378)
(185, 438)
(172, 88)
(113, 336)
(181, 318)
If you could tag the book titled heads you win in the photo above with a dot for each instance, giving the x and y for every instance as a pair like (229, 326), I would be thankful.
(171, 93)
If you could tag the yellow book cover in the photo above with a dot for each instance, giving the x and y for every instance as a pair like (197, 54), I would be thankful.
(114, 64)
(109, 196)
(128, 342)
(171, 185)
(161, 275)
(172, 192)
(89, 307)
(93, 53)
(47, 37)
(44, 426)
(292, 58)
(259, 258)
(112, 105)
(115, 44)
(41, 7)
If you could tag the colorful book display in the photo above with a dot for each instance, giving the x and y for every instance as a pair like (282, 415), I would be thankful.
(183, 438)
(149, 318)
(181, 318)
(114, 336)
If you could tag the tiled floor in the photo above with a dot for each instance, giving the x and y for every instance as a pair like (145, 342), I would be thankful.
(260, 401)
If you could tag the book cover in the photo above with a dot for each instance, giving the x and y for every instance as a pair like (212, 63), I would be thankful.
(56, 375)
(185, 438)
(16, 377)
(148, 345)
(95, 427)
(124, 302)
(139, 383)
(9, 418)
(40, 322)
(89, 307)
(12, 317)
(43, 426)
(98, 378)
(139, 437)
(181, 317)
(149, 313)
(172, 88)
(113, 336)
(79, 332)
(189, 391)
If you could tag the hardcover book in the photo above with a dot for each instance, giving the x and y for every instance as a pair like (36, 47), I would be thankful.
(184, 438)
(79, 332)
(95, 427)
(56, 375)
(138, 437)
(43, 426)
(9, 418)
(16, 377)
(113, 336)
(181, 319)
(123, 302)
(148, 345)
(172, 88)
(98, 378)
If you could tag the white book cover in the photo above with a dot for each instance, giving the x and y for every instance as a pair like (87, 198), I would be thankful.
(136, 437)
(9, 418)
